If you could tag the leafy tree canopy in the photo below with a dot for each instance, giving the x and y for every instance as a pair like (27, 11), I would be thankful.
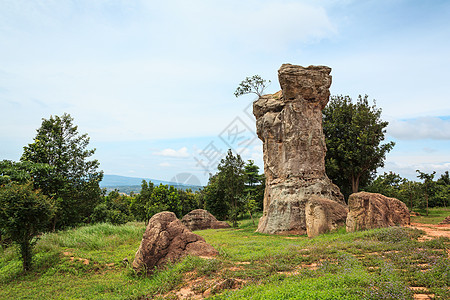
(235, 189)
(353, 134)
(73, 179)
(24, 171)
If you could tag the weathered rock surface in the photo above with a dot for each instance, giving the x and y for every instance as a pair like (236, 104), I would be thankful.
(324, 215)
(371, 210)
(200, 219)
(289, 123)
(167, 239)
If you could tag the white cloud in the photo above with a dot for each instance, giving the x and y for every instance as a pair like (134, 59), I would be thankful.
(409, 170)
(180, 153)
(420, 128)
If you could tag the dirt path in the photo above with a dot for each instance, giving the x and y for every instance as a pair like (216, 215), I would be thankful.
(433, 231)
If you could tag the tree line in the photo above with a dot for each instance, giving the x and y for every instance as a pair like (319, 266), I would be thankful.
(431, 192)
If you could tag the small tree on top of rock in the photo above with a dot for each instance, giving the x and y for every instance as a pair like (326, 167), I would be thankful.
(254, 84)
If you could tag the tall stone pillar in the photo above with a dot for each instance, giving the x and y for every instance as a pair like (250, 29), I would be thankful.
(289, 123)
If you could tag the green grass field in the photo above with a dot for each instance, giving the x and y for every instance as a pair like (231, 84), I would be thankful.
(435, 215)
(87, 263)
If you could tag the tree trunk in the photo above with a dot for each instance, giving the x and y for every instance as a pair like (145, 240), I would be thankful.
(426, 198)
(355, 183)
(54, 224)
(25, 251)
(250, 212)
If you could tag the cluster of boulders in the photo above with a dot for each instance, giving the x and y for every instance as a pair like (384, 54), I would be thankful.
(364, 211)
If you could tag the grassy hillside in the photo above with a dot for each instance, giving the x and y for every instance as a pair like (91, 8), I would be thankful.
(87, 263)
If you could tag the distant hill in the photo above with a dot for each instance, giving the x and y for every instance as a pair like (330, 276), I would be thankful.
(133, 184)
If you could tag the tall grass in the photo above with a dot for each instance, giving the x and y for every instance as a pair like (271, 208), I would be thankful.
(93, 237)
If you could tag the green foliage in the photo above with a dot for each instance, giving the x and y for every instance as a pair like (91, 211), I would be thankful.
(140, 202)
(214, 198)
(254, 84)
(73, 179)
(353, 134)
(113, 209)
(152, 200)
(24, 214)
(24, 171)
(416, 195)
(254, 184)
(393, 185)
(231, 177)
(428, 186)
(237, 188)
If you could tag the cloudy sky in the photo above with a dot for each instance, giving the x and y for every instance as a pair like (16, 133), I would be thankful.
(152, 82)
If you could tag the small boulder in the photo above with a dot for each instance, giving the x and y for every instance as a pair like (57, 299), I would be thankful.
(446, 221)
(200, 219)
(371, 210)
(167, 239)
(323, 215)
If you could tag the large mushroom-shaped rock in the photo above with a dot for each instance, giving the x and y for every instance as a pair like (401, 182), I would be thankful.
(289, 123)
(324, 215)
(200, 219)
(167, 239)
(371, 210)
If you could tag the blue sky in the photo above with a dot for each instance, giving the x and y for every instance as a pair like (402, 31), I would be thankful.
(152, 82)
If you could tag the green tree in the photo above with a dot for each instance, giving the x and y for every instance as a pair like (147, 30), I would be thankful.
(231, 177)
(412, 191)
(24, 214)
(254, 84)
(73, 180)
(140, 203)
(113, 209)
(213, 196)
(353, 134)
(254, 184)
(23, 172)
(250, 205)
(442, 194)
(388, 184)
(427, 186)
(188, 201)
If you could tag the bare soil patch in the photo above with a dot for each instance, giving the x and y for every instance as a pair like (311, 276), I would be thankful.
(432, 231)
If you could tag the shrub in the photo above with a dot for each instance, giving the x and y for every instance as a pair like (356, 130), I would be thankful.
(24, 213)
